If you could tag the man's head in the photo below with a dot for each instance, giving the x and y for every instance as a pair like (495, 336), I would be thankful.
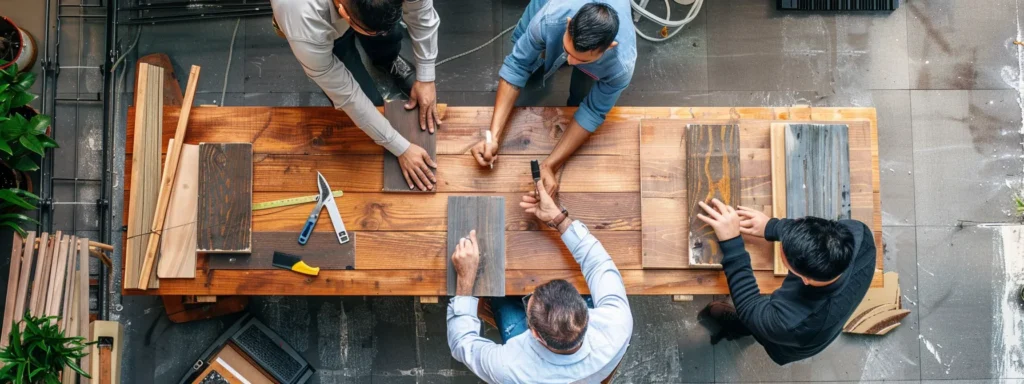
(370, 17)
(557, 315)
(590, 33)
(817, 250)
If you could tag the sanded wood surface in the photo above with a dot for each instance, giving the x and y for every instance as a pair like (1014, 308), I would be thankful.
(663, 193)
(300, 141)
(712, 172)
(319, 251)
(56, 295)
(178, 241)
(145, 171)
(172, 90)
(485, 215)
(12, 289)
(407, 123)
(224, 218)
(54, 286)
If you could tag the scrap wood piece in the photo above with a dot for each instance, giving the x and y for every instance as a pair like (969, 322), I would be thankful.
(42, 258)
(27, 258)
(663, 194)
(712, 171)
(56, 285)
(224, 221)
(145, 176)
(407, 123)
(880, 310)
(319, 251)
(171, 89)
(778, 150)
(168, 176)
(12, 289)
(177, 257)
(66, 302)
(486, 215)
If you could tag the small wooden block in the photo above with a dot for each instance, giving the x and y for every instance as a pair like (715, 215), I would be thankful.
(407, 123)
(225, 198)
(486, 215)
(178, 241)
(322, 250)
(682, 298)
(713, 171)
(428, 299)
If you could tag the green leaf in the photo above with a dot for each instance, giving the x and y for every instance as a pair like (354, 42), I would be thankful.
(47, 141)
(26, 164)
(23, 81)
(17, 216)
(30, 195)
(22, 99)
(38, 124)
(32, 143)
(15, 227)
(3, 87)
(11, 198)
(5, 147)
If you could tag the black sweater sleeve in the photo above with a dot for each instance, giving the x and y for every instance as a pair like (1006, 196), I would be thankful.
(774, 229)
(762, 316)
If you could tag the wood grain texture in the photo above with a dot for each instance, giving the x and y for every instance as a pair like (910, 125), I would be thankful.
(319, 251)
(171, 88)
(713, 171)
(778, 142)
(145, 171)
(663, 193)
(66, 305)
(224, 217)
(486, 215)
(178, 241)
(407, 123)
(12, 289)
(55, 286)
(39, 274)
(83, 297)
(817, 171)
(27, 263)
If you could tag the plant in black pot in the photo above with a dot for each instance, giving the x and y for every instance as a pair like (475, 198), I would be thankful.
(23, 131)
(38, 352)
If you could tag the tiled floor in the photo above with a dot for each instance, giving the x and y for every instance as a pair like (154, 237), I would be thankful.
(944, 75)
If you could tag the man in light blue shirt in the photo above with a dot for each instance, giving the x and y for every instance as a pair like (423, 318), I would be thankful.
(595, 37)
(567, 342)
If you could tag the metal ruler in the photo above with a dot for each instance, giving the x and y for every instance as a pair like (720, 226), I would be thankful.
(290, 201)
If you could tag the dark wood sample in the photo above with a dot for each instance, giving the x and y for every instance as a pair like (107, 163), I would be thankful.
(319, 251)
(224, 217)
(713, 171)
(407, 123)
(486, 215)
(817, 171)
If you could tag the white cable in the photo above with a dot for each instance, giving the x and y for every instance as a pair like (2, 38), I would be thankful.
(481, 46)
(677, 24)
(231, 52)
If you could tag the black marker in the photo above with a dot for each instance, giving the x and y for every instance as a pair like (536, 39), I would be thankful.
(535, 168)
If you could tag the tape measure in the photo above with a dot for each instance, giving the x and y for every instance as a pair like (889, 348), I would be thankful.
(290, 201)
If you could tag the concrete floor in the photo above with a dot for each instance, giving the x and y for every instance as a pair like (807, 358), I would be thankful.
(946, 79)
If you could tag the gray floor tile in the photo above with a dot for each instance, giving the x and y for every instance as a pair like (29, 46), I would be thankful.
(964, 158)
(466, 99)
(961, 45)
(204, 43)
(268, 62)
(291, 99)
(633, 98)
(895, 156)
(678, 64)
(761, 98)
(476, 23)
(669, 344)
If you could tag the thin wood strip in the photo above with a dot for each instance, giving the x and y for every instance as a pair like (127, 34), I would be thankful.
(39, 270)
(83, 299)
(778, 143)
(12, 289)
(145, 173)
(69, 290)
(60, 250)
(167, 182)
(27, 262)
(177, 256)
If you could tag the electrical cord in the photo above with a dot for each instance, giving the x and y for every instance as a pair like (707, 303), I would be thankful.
(677, 24)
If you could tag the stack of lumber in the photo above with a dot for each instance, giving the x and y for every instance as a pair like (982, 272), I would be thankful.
(49, 277)
(881, 310)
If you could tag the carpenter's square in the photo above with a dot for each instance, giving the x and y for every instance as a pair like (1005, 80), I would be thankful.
(325, 199)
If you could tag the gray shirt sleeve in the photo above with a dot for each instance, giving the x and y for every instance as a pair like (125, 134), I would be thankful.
(320, 64)
(422, 22)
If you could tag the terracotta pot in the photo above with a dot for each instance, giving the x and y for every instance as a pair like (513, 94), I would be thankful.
(26, 53)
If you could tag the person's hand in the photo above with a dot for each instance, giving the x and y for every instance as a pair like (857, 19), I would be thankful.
(543, 207)
(485, 153)
(723, 218)
(466, 260)
(416, 164)
(752, 221)
(547, 175)
(424, 95)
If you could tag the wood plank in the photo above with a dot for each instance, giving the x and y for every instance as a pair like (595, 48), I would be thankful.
(171, 88)
(12, 289)
(713, 171)
(407, 123)
(39, 274)
(225, 198)
(67, 298)
(817, 171)
(145, 172)
(320, 251)
(178, 245)
(485, 215)
(27, 263)
(662, 159)
(83, 299)
(664, 232)
(167, 178)
(778, 139)
(55, 286)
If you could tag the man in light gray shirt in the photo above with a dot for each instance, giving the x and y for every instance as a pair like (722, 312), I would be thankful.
(566, 342)
(322, 36)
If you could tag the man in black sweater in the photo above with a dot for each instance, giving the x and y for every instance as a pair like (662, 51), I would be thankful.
(831, 264)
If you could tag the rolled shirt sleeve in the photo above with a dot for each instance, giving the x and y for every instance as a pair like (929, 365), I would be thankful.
(525, 55)
(603, 96)
(422, 21)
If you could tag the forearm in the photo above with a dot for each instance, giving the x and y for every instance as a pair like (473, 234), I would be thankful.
(571, 140)
(504, 101)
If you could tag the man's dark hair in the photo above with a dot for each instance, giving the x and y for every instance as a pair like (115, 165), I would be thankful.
(816, 248)
(559, 315)
(377, 15)
(594, 27)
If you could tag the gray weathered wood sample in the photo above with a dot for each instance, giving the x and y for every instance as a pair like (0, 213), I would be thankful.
(817, 171)
(486, 215)
(407, 123)
(224, 216)
(712, 171)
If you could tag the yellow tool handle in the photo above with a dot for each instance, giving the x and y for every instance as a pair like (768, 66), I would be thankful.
(304, 269)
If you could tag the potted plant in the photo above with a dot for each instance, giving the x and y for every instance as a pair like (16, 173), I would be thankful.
(24, 133)
(16, 45)
(38, 352)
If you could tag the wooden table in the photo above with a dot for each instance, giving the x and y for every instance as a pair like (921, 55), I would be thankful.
(401, 246)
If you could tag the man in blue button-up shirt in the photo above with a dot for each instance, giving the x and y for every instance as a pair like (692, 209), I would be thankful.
(553, 337)
(596, 37)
